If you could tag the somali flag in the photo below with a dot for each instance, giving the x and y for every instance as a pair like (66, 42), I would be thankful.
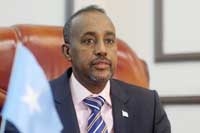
(29, 103)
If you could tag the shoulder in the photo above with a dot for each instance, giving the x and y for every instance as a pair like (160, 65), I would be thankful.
(139, 94)
(132, 89)
(61, 80)
(145, 103)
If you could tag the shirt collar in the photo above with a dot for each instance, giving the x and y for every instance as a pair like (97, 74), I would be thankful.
(79, 92)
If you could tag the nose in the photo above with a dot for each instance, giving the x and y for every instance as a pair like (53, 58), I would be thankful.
(100, 49)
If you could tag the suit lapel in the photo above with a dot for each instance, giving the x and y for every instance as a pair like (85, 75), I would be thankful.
(122, 109)
(64, 103)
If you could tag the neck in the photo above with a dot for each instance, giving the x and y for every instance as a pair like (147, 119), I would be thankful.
(94, 86)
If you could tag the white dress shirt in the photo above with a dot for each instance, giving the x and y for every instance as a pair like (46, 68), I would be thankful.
(79, 92)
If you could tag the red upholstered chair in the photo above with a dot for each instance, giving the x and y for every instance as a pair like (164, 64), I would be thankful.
(45, 43)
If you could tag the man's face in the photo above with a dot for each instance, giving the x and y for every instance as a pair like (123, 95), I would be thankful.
(93, 48)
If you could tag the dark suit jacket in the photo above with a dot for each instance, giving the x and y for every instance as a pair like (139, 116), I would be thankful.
(145, 113)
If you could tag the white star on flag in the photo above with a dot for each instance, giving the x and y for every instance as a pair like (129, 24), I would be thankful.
(31, 99)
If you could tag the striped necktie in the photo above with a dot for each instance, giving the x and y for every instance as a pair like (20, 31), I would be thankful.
(95, 122)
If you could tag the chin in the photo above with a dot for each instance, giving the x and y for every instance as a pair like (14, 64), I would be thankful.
(100, 78)
(101, 75)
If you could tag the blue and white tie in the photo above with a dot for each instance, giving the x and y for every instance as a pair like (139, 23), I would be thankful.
(95, 122)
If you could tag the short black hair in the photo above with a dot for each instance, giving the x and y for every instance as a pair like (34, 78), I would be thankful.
(67, 26)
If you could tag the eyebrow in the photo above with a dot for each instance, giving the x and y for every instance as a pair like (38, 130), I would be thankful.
(89, 33)
(93, 33)
(110, 33)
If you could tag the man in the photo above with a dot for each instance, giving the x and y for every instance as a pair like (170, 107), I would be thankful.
(90, 45)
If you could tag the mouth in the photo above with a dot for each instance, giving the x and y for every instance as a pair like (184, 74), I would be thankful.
(101, 64)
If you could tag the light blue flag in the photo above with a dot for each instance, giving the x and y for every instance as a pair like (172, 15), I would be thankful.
(29, 104)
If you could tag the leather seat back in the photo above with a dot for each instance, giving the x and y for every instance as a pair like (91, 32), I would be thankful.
(45, 43)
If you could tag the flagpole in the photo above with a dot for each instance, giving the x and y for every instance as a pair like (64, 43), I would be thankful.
(3, 124)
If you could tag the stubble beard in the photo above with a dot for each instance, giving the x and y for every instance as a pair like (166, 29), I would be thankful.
(100, 79)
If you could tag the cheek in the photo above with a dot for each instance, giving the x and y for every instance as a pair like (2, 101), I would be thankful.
(81, 57)
(115, 62)
(113, 54)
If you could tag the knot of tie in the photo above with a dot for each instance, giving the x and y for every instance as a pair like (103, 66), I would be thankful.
(94, 103)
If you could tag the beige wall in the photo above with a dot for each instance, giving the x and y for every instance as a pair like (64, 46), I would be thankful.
(32, 12)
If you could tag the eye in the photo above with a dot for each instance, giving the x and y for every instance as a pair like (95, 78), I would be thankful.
(109, 41)
(88, 41)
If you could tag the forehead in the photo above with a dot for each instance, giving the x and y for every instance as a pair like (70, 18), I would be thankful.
(96, 22)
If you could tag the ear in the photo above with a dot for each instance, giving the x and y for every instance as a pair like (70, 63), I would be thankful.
(65, 50)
